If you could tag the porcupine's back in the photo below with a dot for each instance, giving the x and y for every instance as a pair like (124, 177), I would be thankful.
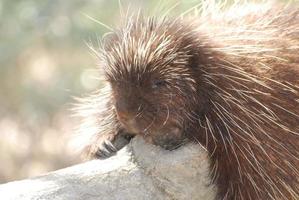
(253, 116)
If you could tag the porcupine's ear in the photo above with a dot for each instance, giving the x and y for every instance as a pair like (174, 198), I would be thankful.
(199, 55)
(189, 42)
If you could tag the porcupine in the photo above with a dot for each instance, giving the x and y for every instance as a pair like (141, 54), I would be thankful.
(228, 79)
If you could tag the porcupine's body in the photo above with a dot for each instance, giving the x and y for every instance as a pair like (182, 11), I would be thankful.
(230, 81)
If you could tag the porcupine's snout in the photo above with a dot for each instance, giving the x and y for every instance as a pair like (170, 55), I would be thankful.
(126, 115)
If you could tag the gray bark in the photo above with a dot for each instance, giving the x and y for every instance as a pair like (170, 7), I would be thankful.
(139, 171)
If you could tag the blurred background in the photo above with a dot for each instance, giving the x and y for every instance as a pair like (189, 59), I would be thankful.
(44, 63)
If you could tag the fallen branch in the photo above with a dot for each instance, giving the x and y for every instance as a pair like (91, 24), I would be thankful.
(139, 171)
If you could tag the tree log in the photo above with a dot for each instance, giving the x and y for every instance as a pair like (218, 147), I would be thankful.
(138, 171)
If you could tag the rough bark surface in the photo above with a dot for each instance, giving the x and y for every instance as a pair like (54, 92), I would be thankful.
(139, 171)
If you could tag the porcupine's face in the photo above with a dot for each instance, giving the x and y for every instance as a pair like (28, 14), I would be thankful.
(147, 65)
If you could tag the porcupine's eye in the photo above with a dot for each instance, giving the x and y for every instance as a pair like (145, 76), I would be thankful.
(158, 84)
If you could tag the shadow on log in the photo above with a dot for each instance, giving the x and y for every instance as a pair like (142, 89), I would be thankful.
(139, 171)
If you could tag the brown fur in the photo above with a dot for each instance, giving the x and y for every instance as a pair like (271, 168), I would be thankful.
(231, 84)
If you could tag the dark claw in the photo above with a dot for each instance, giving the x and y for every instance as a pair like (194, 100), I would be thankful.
(109, 146)
(103, 152)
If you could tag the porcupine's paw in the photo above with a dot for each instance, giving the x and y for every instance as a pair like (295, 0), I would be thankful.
(107, 145)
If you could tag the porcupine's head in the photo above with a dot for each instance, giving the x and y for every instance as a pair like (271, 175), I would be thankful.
(152, 67)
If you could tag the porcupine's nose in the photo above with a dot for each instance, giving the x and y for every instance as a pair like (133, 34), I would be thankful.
(124, 111)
